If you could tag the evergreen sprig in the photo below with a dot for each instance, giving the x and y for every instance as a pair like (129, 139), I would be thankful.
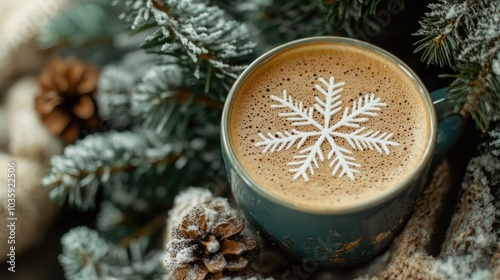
(117, 83)
(76, 175)
(283, 20)
(440, 29)
(494, 144)
(165, 104)
(139, 91)
(86, 255)
(212, 42)
(83, 250)
(162, 104)
(465, 35)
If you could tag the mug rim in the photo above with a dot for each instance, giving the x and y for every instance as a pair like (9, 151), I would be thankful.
(230, 154)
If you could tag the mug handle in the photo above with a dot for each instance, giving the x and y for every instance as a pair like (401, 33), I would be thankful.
(450, 123)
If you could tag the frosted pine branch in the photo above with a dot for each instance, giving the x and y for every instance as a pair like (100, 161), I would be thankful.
(77, 174)
(204, 32)
(346, 15)
(440, 32)
(466, 36)
(281, 21)
(140, 92)
(444, 27)
(83, 250)
(150, 99)
(163, 101)
(252, 6)
(478, 62)
(87, 255)
(494, 145)
(117, 84)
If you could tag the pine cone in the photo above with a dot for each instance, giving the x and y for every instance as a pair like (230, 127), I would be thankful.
(207, 245)
(65, 101)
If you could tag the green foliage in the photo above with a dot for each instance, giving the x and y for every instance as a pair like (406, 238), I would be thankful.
(476, 91)
(465, 35)
(77, 174)
(284, 20)
(82, 251)
(494, 144)
(116, 86)
(440, 29)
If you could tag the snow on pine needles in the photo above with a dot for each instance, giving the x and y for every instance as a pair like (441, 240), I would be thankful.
(341, 159)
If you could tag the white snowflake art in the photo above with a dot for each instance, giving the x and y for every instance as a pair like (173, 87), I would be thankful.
(341, 158)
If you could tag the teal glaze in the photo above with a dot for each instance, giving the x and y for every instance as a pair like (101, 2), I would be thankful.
(326, 239)
(333, 237)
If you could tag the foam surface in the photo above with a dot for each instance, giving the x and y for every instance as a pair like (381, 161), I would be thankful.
(297, 70)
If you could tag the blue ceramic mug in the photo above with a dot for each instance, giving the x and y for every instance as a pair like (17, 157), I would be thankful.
(338, 236)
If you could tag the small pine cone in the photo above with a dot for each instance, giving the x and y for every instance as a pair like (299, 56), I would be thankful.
(207, 245)
(65, 102)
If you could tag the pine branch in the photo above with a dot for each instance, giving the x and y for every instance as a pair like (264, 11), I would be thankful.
(138, 92)
(494, 144)
(117, 83)
(247, 8)
(343, 12)
(154, 225)
(464, 35)
(203, 33)
(441, 29)
(346, 15)
(109, 217)
(165, 103)
(77, 174)
(86, 255)
(123, 224)
(83, 250)
(476, 92)
(479, 54)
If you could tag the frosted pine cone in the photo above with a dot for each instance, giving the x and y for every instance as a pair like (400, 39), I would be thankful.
(207, 245)
(65, 101)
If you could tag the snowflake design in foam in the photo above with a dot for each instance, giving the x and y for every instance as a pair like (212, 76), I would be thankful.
(341, 159)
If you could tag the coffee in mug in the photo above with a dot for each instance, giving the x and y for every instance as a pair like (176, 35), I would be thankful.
(326, 126)
(327, 142)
